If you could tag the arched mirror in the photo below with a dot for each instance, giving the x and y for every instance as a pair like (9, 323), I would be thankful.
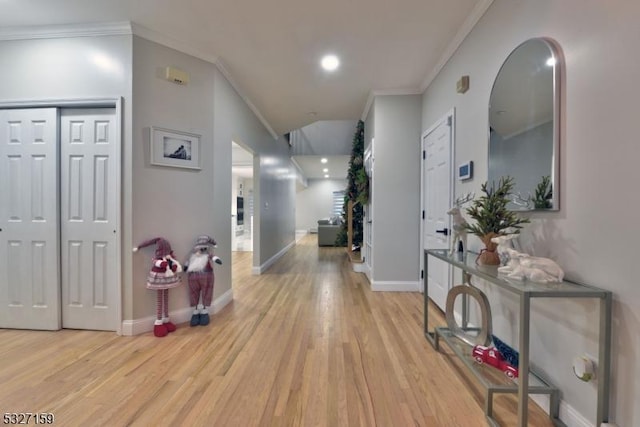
(524, 125)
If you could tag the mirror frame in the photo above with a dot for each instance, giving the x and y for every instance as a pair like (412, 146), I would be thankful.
(557, 74)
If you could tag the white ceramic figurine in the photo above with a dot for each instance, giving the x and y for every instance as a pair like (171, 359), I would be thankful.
(521, 266)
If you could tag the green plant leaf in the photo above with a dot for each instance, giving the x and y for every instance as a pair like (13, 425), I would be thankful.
(490, 210)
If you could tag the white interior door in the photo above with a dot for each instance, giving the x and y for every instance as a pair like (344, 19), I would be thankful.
(436, 187)
(29, 269)
(88, 176)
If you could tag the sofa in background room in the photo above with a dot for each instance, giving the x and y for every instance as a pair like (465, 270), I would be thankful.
(328, 231)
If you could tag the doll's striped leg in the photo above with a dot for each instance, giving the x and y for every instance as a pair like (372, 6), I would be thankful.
(159, 328)
(207, 294)
(165, 320)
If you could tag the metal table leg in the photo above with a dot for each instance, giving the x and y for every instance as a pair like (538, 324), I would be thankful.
(523, 368)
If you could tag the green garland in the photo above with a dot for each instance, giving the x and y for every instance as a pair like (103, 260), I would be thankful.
(357, 190)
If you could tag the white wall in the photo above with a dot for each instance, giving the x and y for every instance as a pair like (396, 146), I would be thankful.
(274, 185)
(177, 204)
(370, 126)
(160, 201)
(397, 192)
(316, 202)
(200, 201)
(591, 237)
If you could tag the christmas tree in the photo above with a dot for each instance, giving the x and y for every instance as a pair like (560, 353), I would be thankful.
(357, 190)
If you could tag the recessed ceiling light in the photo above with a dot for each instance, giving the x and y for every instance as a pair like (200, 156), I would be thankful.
(330, 62)
(323, 160)
(325, 170)
(326, 176)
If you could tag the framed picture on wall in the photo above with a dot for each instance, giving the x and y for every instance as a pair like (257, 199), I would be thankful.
(174, 148)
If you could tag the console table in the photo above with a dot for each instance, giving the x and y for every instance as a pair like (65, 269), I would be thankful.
(530, 383)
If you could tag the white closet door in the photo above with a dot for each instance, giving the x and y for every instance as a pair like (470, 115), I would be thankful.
(89, 218)
(29, 262)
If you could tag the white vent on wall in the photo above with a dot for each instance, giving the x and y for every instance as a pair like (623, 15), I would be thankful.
(176, 75)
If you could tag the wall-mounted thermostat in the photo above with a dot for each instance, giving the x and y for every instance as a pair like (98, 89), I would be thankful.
(465, 171)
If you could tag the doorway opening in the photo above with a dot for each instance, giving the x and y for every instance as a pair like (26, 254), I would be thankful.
(242, 199)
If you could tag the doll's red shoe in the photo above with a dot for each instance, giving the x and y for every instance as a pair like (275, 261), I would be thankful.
(160, 330)
(170, 326)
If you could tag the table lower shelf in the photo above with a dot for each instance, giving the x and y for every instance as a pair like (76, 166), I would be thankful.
(494, 380)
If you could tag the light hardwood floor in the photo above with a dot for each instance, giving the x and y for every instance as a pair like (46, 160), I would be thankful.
(304, 344)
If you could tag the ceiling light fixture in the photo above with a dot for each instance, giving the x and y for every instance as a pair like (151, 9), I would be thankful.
(323, 160)
(325, 170)
(330, 62)
(326, 176)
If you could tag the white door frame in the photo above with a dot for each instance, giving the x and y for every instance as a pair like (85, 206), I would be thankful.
(114, 102)
(450, 115)
(368, 229)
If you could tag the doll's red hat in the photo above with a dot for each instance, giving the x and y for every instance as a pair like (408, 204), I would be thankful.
(163, 247)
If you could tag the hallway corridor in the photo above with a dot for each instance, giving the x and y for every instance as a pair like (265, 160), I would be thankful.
(306, 343)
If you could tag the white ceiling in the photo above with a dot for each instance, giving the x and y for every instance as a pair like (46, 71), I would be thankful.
(271, 50)
(313, 167)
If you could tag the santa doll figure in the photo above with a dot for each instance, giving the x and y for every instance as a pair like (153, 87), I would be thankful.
(199, 268)
(164, 275)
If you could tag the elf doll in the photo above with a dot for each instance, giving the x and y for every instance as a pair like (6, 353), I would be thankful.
(199, 268)
(163, 276)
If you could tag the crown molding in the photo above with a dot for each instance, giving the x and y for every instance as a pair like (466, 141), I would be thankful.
(385, 92)
(164, 40)
(127, 28)
(156, 37)
(468, 25)
(63, 31)
(223, 70)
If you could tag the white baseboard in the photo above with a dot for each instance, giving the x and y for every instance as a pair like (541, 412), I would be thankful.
(568, 414)
(300, 234)
(393, 286)
(144, 325)
(259, 270)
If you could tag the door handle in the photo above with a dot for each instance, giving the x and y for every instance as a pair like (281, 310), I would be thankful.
(444, 231)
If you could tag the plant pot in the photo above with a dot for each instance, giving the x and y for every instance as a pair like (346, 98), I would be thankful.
(489, 255)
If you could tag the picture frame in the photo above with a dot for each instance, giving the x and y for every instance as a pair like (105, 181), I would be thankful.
(174, 148)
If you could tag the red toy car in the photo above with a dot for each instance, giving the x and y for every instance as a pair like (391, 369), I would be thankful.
(491, 356)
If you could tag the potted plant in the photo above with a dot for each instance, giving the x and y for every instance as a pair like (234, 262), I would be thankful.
(492, 218)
